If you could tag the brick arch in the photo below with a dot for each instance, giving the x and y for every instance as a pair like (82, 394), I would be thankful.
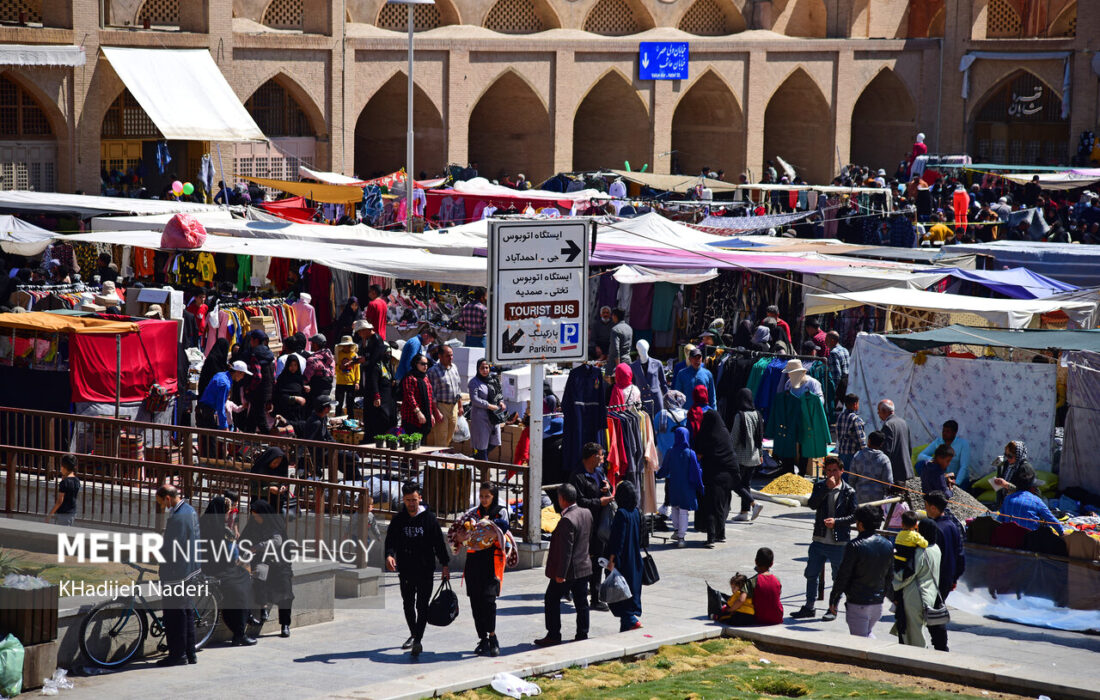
(283, 14)
(381, 127)
(708, 128)
(610, 125)
(300, 98)
(798, 127)
(442, 13)
(711, 18)
(510, 130)
(803, 18)
(1047, 129)
(521, 17)
(618, 18)
(54, 117)
(1064, 23)
(924, 16)
(884, 122)
(10, 9)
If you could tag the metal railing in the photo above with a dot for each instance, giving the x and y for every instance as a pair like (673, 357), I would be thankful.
(121, 462)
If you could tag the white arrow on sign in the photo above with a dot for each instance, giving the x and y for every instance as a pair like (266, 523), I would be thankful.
(645, 60)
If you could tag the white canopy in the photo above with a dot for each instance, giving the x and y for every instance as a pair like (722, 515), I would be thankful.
(88, 205)
(184, 93)
(1065, 180)
(44, 55)
(639, 274)
(481, 186)
(20, 238)
(407, 263)
(860, 279)
(1001, 313)
(330, 178)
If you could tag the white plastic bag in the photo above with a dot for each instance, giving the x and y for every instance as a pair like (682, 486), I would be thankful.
(462, 430)
(514, 686)
(614, 588)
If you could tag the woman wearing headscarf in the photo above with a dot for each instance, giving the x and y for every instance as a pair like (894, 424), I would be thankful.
(217, 360)
(683, 483)
(624, 393)
(379, 407)
(222, 562)
(485, 399)
(271, 462)
(320, 371)
(742, 337)
(484, 570)
(348, 317)
(291, 391)
(417, 405)
(747, 436)
(1015, 457)
(272, 576)
(712, 444)
(761, 340)
(700, 404)
(624, 553)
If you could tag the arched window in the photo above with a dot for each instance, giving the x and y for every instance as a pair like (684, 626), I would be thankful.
(711, 18)
(1002, 20)
(276, 112)
(514, 17)
(284, 14)
(165, 13)
(396, 17)
(1020, 123)
(125, 119)
(20, 115)
(617, 18)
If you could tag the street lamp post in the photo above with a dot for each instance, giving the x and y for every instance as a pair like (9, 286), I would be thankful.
(410, 179)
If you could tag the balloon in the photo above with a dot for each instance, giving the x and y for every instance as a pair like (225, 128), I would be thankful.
(188, 188)
(177, 187)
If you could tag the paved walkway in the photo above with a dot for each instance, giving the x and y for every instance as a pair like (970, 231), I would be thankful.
(358, 655)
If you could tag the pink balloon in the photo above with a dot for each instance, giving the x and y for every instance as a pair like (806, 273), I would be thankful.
(177, 187)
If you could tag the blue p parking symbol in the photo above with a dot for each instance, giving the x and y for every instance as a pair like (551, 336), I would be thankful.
(570, 334)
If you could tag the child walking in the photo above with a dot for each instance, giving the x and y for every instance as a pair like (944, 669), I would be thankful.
(684, 483)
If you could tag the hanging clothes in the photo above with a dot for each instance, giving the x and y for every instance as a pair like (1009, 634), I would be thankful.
(650, 379)
(798, 426)
(583, 413)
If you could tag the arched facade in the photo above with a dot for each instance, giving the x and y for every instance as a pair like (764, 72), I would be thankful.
(396, 17)
(803, 18)
(28, 144)
(798, 127)
(521, 17)
(160, 13)
(708, 129)
(884, 122)
(28, 10)
(283, 14)
(1012, 19)
(1020, 122)
(382, 125)
(611, 126)
(712, 18)
(510, 131)
(276, 107)
(618, 18)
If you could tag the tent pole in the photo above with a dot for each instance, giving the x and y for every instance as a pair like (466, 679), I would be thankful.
(118, 373)
(221, 170)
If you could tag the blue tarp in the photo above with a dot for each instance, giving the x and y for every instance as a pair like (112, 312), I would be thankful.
(1068, 262)
(1017, 283)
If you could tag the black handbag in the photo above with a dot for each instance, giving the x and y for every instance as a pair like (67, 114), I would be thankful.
(938, 614)
(650, 575)
(443, 610)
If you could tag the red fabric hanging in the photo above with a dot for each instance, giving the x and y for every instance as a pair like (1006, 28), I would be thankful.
(93, 358)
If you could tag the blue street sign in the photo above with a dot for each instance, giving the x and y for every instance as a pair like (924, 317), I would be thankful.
(662, 60)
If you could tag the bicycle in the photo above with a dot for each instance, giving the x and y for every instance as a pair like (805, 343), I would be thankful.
(114, 631)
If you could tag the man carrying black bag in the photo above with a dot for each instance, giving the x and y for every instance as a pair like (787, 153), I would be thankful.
(413, 542)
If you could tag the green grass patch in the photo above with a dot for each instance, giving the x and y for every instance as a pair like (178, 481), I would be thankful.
(718, 669)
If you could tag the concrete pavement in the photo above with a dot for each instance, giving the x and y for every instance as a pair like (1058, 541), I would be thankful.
(358, 655)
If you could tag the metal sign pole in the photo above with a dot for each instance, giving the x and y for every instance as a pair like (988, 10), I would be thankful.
(532, 499)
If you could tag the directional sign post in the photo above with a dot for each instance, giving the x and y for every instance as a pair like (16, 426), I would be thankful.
(538, 312)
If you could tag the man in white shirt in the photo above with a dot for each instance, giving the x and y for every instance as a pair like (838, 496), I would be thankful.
(960, 463)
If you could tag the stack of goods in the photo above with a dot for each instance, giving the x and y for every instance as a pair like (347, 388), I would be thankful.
(267, 325)
(788, 484)
(961, 503)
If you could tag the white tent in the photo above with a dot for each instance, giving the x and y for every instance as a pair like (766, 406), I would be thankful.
(184, 93)
(20, 238)
(1001, 313)
(88, 205)
(407, 263)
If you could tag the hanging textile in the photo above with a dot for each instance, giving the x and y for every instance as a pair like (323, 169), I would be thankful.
(583, 413)
(1078, 466)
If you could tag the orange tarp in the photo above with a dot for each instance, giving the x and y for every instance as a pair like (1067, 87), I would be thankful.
(43, 322)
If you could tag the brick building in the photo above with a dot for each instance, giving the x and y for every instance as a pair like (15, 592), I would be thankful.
(539, 86)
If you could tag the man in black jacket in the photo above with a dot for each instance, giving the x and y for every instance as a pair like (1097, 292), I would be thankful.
(181, 565)
(568, 566)
(835, 503)
(413, 543)
(593, 494)
(864, 575)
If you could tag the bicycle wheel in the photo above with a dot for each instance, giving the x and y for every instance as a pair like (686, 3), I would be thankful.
(206, 619)
(112, 633)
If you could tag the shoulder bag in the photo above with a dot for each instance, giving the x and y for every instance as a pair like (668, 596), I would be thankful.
(938, 613)
(650, 575)
(443, 610)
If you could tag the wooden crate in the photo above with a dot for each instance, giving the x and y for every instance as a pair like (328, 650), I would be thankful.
(29, 615)
(348, 437)
(448, 487)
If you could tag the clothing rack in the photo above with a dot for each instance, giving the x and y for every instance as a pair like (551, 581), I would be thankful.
(620, 406)
(74, 287)
(753, 354)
